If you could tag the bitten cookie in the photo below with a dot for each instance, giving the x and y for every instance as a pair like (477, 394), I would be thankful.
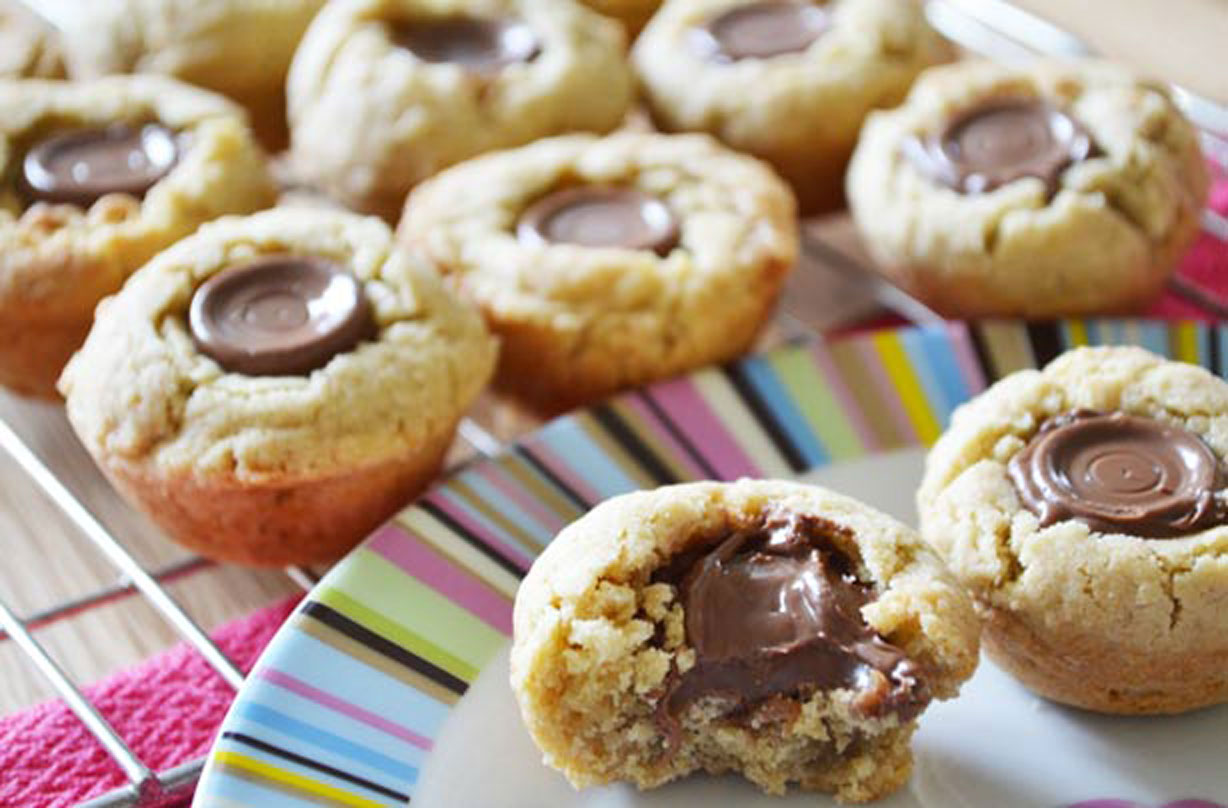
(790, 82)
(99, 176)
(1084, 506)
(274, 387)
(384, 93)
(1059, 188)
(240, 48)
(769, 628)
(29, 46)
(604, 263)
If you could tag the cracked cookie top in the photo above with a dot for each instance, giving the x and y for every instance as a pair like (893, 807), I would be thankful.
(1087, 500)
(1060, 187)
(284, 344)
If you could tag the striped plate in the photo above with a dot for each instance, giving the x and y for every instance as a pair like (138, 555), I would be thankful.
(344, 705)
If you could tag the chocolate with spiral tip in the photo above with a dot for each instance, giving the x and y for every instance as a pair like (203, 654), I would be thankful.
(1120, 473)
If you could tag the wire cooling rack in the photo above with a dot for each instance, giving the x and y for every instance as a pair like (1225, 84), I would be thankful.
(992, 28)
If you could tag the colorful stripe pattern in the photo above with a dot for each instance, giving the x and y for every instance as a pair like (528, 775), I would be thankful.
(344, 705)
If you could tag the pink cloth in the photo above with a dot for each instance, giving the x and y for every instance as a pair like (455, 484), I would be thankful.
(167, 709)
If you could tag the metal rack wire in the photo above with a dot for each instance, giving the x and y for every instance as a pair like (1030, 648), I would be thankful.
(991, 27)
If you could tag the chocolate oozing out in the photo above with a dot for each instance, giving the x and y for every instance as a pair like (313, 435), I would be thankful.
(1120, 473)
(599, 216)
(761, 30)
(80, 166)
(775, 611)
(1000, 140)
(280, 315)
(481, 45)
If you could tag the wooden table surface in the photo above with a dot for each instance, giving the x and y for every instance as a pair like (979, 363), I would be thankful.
(46, 562)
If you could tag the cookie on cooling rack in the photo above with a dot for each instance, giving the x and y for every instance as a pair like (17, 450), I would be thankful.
(768, 628)
(1085, 506)
(1057, 188)
(272, 388)
(99, 176)
(384, 93)
(240, 48)
(29, 47)
(604, 263)
(789, 81)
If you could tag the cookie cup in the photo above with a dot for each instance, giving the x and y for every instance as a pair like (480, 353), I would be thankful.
(579, 322)
(57, 260)
(274, 470)
(1105, 621)
(598, 639)
(1105, 239)
(369, 119)
(801, 111)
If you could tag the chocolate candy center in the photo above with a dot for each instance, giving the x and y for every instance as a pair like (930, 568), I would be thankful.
(481, 45)
(78, 167)
(776, 611)
(593, 216)
(762, 30)
(280, 315)
(1119, 473)
(1001, 140)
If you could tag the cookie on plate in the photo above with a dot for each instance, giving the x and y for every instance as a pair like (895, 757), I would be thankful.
(769, 628)
(29, 46)
(240, 48)
(272, 388)
(790, 82)
(1057, 188)
(1085, 506)
(99, 176)
(605, 263)
(385, 93)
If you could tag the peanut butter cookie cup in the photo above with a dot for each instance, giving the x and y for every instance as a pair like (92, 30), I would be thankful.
(768, 628)
(272, 388)
(1085, 507)
(789, 81)
(1057, 188)
(97, 178)
(604, 263)
(385, 93)
(240, 48)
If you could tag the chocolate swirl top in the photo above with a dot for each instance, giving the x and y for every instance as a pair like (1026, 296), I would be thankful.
(600, 216)
(776, 610)
(280, 315)
(761, 30)
(1120, 473)
(79, 167)
(1000, 140)
(481, 45)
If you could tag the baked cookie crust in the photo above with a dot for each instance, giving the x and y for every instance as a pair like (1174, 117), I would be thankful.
(276, 469)
(57, 261)
(597, 637)
(1104, 621)
(580, 322)
(799, 111)
(1106, 240)
(370, 119)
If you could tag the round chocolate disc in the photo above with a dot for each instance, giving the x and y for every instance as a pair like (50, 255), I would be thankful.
(596, 216)
(481, 45)
(80, 166)
(762, 30)
(280, 315)
(1001, 140)
(1119, 473)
